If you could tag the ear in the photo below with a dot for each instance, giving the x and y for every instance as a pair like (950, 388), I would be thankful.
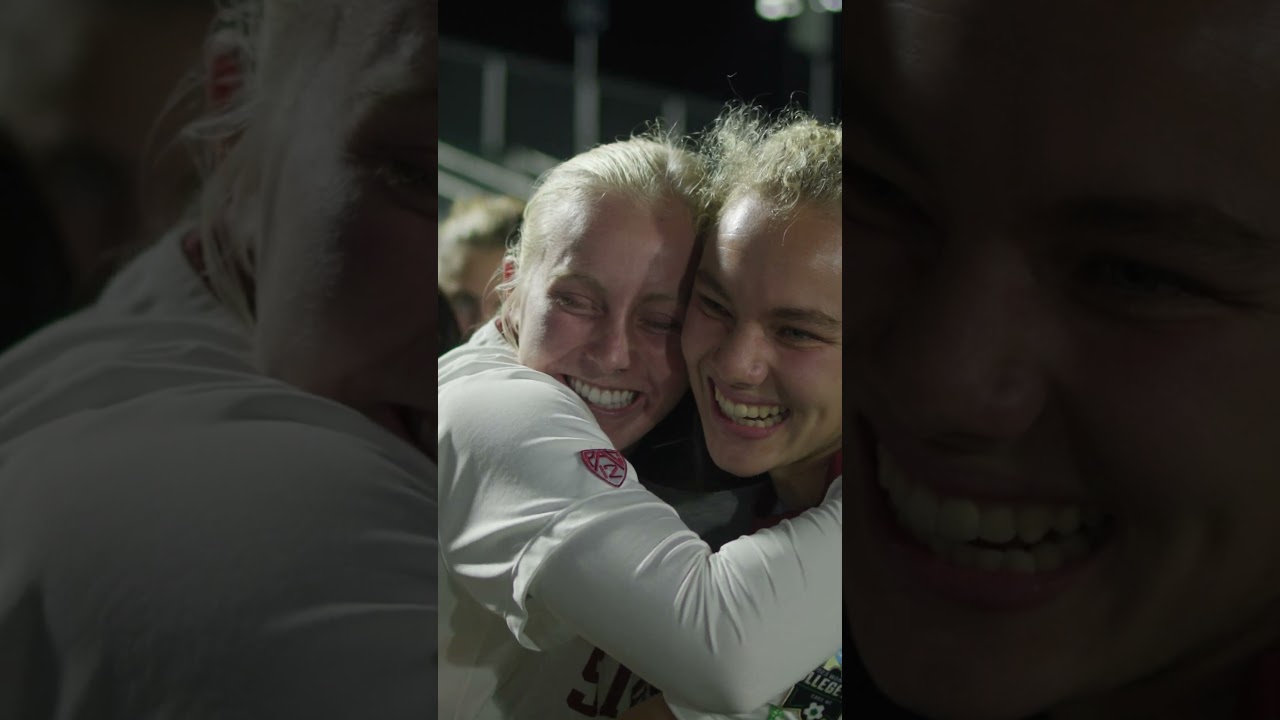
(224, 77)
(508, 268)
(223, 82)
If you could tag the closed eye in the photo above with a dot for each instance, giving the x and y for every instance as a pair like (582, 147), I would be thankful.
(791, 334)
(663, 325)
(1136, 279)
(713, 308)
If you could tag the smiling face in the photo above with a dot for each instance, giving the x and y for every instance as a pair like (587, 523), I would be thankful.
(601, 311)
(344, 307)
(763, 339)
(1066, 327)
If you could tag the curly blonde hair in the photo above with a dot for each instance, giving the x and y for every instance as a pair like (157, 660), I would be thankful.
(790, 159)
(649, 169)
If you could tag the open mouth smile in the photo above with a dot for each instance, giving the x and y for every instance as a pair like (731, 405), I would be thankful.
(744, 419)
(602, 398)
(987, 554)
(992, 536)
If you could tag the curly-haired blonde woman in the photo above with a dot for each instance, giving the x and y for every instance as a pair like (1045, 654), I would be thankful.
(763, 340)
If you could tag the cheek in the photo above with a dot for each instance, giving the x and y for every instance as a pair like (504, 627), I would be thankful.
(699, 337)
(815, 380)
(881, 283)
(547, 335)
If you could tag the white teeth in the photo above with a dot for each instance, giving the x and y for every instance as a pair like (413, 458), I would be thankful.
(1033, 523)
(1041, 537)
(760, 416)
(1020, 561)
(997, 524)
(608, 399)
(1075, 546)
(1049, 556)
(1068, 520)
(958, 520)
(989, 559)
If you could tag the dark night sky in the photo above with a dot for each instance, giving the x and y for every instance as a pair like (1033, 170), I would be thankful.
(695, 45)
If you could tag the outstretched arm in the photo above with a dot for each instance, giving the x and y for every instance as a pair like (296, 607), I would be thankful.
(529, 527)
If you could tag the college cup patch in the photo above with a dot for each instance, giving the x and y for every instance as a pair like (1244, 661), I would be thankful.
(608, 465)
(820, 696)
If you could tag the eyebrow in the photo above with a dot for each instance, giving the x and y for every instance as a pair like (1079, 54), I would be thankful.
(1173, 221)
(809, 316)
(600, 289)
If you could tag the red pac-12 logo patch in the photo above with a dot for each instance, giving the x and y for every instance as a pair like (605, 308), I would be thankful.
(608, 465)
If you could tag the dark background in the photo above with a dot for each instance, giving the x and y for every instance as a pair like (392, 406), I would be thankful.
(720, 49)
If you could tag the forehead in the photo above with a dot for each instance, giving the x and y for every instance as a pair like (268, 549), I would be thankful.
(803, 250)
(1015, 99)
(624, 238)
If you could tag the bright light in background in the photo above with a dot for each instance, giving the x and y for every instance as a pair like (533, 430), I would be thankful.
(779, 9)
(787, 9)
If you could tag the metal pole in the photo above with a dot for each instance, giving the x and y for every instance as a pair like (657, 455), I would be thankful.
(811, 34)
(675, 112)
(493, 107)
(586, 91)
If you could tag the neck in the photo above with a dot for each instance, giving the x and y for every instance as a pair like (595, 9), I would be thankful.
(802, 485)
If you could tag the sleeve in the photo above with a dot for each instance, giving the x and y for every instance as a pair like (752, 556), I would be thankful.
(529, 528)
(682, 712)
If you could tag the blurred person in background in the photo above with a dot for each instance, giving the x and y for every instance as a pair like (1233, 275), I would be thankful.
(473, 241)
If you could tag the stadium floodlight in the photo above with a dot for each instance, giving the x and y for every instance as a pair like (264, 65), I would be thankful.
(779, 9)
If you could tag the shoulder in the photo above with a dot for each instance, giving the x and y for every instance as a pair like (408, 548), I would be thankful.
(247, 440)
(495, 400)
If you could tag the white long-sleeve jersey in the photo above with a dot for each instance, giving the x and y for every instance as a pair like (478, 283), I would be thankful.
(547, 539)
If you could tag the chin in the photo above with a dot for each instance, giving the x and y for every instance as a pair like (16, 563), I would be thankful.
(960, 687)
(738, 464)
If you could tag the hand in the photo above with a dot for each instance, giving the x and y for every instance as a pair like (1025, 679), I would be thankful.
(655, 708)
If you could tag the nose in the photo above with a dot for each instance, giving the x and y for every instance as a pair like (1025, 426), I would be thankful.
(742, 357)
(965, 361)
(612, 347)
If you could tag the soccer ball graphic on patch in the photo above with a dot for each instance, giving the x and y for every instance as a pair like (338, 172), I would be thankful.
(814, 711)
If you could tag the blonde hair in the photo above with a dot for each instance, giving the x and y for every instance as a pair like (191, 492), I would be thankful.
(273, 44)
(485, 222)
(649, 169)
(791, 160)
